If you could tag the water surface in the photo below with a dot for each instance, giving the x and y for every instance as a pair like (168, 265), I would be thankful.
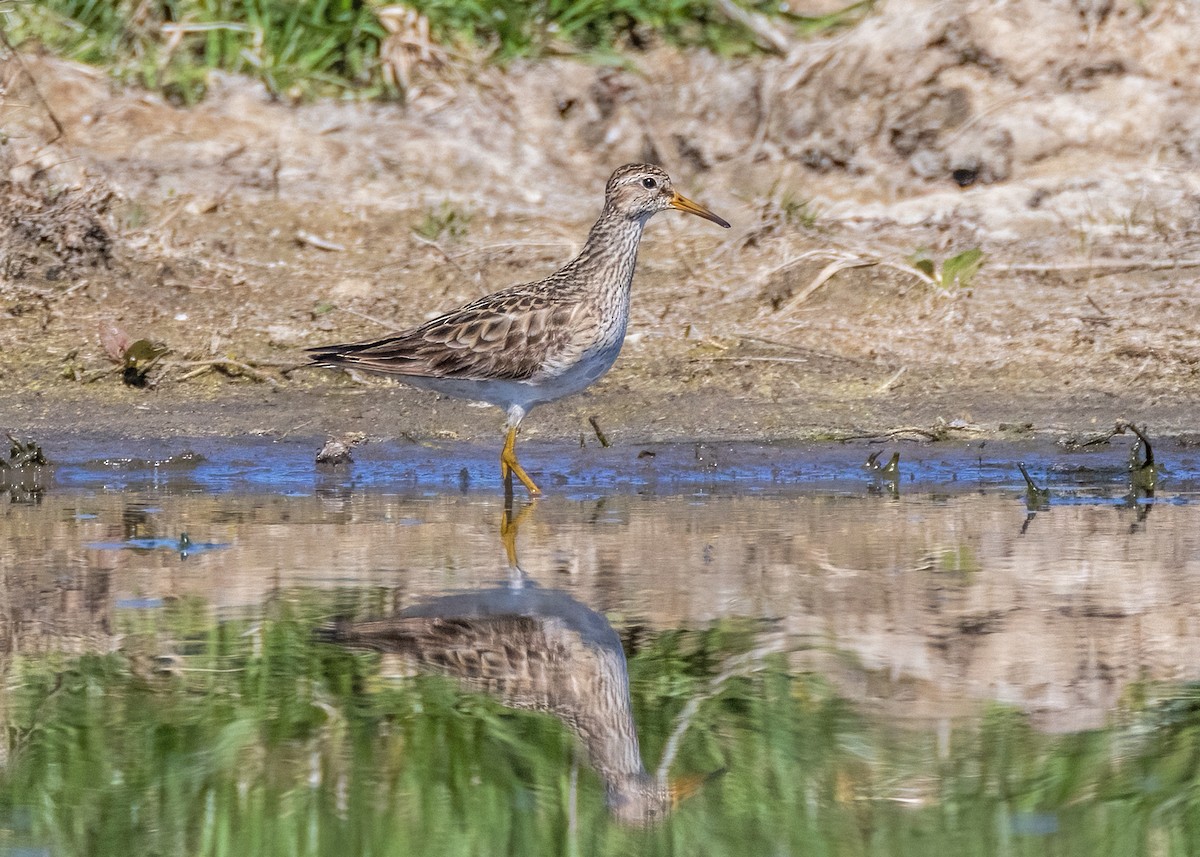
(706, 649)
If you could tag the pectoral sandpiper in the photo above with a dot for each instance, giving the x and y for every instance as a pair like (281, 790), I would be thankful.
(537, 650)
(534, 342)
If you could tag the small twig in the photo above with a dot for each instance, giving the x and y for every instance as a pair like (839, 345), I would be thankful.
(812, 353)
(887, 385)
(819, 253)
(1098, 308)
(297, 427)
(1123, 426)
(974, 120)
(910, 270)
(930, 434)
(819, 280)
(767, 35)
(766, 99)
(509, 245)
(421, 239)
(311, 240)
(595, 422)
(1029, 483)
(750, 359)
(371, 319)
(170, 215)
(222, 364)
(1095, 440)
(96, 375)
(938, 432)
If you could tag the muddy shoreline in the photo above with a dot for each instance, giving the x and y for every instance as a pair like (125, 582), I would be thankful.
(244, 230)
(632, 408)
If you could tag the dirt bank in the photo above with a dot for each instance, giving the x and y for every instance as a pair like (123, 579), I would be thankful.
(243, 230)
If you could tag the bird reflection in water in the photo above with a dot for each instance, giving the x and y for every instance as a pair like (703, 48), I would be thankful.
(539, 650)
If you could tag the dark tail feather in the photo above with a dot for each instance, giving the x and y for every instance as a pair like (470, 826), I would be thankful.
(381, 636)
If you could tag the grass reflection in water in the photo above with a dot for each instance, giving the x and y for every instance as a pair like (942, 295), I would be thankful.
(259, 739)
(209, 736)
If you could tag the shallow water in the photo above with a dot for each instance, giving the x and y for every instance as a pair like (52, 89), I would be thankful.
(211, 651)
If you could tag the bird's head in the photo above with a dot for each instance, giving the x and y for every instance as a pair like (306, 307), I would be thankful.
(644, 801)
(639, 191)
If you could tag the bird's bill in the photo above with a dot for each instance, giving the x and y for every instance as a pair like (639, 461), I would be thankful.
(682, 203)
(683, 788)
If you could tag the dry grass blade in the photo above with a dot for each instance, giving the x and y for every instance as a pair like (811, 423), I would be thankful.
(767, 36)
(752, 358)
(821, 278)
(226, 366)
(440, 251)
(739, 665)
(319, 243)
(890, 382)
(411, 60)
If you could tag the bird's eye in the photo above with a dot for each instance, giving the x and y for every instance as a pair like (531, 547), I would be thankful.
(649, 183)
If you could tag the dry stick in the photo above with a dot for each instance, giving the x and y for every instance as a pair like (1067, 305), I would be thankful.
(97, 374)
(910, 270)
(974, 120)
(595, 421)
(297, 427)
(820, 252)
(511, 245)
(841, 263)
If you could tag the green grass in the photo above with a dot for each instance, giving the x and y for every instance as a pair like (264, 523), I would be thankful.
(306, 48)
(444, 221)
(317, 47)
(259, 740)
(955, 272)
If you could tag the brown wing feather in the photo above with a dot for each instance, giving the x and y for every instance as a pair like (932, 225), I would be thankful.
(509, 335)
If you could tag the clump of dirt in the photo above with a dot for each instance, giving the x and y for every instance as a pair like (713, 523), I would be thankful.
(53, 236)
(54, 221)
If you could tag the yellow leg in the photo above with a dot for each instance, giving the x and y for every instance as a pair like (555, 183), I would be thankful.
(509, 465)
(509, 526)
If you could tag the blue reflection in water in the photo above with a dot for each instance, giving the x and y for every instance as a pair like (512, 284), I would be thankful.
(183, 545)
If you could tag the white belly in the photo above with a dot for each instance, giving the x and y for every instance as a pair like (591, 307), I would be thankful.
(504, 394)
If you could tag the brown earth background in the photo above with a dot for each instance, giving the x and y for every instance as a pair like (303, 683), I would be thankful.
(1060, 138)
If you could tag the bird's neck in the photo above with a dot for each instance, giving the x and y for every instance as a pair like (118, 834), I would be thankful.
(610, 253)
(610, 738)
